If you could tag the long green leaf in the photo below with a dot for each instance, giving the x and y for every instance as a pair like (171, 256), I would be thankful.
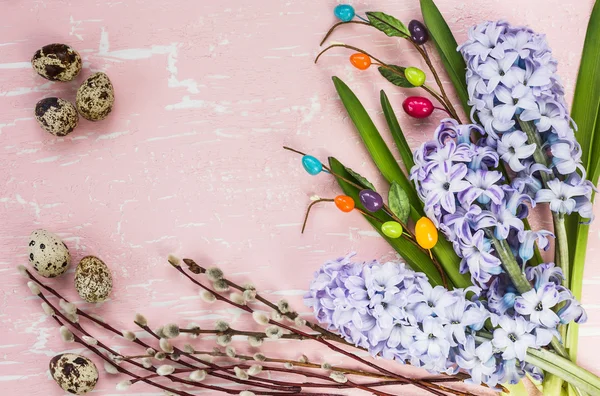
(586, 101)
(415, 257)
(383, 158)
(397, 134)
(446, 45)
(586, 114)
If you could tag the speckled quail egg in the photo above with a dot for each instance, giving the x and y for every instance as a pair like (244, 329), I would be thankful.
(95, 97)
(56, 116)
(93, 280)
(57, 62)
(74, 373)
(48, 254)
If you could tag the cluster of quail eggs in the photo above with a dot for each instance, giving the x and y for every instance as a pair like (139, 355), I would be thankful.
(50, 257)
(94, 100)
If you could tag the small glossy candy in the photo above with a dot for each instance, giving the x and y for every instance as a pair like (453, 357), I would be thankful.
(371, 200)
(426, 233)
(312, 165)
(417, 106)
(391, 229)
(344, 203)
(418, 32)
(344, 12)
(360, 61)
(414, 76)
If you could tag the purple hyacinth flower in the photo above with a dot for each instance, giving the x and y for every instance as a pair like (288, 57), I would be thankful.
(528, 238)
(544, 273)
(560, 196)
(527, 182)
(459, 316)
(449, 153)
(479, 360)
(483, 188)
(483, 40)
(512, 103)
(546, 115)
(571, 311)
(538, 305)
(566, 157)
(501, 70)
(430, 342)
(478, 258)
(513, 337)
(443, 182)
(512, 149)
(510, 372)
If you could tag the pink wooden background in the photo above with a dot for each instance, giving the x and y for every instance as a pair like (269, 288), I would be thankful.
(190, 160)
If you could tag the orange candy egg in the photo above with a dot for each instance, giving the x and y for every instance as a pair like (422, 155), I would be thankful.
(344, 203)
(426, 233)
(360, 61)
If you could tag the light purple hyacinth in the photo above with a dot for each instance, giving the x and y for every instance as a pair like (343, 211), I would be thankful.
(394, 312)
(512, 85)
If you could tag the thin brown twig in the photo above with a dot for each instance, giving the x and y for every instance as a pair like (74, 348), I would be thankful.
(339, 24)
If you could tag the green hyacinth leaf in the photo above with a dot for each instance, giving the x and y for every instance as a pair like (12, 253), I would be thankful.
(446, 45)
(399, 138)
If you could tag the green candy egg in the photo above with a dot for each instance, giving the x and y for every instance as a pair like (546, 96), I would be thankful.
(391, 229)
(415, 76)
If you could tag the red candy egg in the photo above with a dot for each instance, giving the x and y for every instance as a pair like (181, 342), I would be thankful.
(417, 106)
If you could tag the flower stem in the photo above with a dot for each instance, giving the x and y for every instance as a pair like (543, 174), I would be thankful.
(562, 247)
(512, 268)
(565, 369)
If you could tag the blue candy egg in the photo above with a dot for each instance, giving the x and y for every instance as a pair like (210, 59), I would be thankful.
(312, 165)
(344, 12)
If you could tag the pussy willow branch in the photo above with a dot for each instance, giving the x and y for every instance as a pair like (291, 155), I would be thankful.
(431, 387)
(445, 99)
(290, 387)
(389, 211)
(307, 364)
(213, 367)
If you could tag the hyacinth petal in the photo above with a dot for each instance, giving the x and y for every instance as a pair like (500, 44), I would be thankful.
(548, 318)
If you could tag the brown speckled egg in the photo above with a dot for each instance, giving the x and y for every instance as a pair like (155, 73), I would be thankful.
(57, 62)
(48, 254)
(93, 280)
(95, 97)
(56, 116)
(74, 373)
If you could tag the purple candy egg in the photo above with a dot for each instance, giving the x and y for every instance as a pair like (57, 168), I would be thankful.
(371, 200)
